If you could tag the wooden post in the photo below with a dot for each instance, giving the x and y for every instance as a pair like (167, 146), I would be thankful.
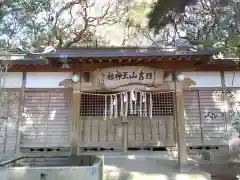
(180, 124)
(75, 123)
(125, 133)
(125, 136)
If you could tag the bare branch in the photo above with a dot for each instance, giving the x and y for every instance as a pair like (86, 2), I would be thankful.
(107, 17)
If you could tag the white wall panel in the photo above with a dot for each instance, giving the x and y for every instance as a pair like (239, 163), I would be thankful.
(205, 79)
(232, 79)
(13, 80)
(46, 79)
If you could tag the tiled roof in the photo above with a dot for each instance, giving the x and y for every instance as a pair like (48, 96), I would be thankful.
(42, 58)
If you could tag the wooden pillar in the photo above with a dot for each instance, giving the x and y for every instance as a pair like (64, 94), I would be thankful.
(75, 122)
(180, 123)
(20, 113)
(225, 105)
(182, 146)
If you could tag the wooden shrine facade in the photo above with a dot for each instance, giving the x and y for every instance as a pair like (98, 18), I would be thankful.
(92, 125)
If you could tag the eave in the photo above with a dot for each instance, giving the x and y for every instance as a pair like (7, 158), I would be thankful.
(90, 59)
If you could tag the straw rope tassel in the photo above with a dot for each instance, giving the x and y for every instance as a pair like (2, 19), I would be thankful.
(135, 103)
(140, 104)
(106, 108)
(122, 102)
(145, 104)
(116, 106)
(131, 102)
(150, 105)
(111, 106)
(126, 103)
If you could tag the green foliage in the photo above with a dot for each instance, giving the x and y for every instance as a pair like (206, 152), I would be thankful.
(163, 12)
(18, 21)
(206, 23)
(234, 44)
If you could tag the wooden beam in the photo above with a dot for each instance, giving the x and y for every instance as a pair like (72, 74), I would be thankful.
(80, 67)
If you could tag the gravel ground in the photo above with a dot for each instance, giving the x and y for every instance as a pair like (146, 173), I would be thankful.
(223, 171)
(151, 164)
